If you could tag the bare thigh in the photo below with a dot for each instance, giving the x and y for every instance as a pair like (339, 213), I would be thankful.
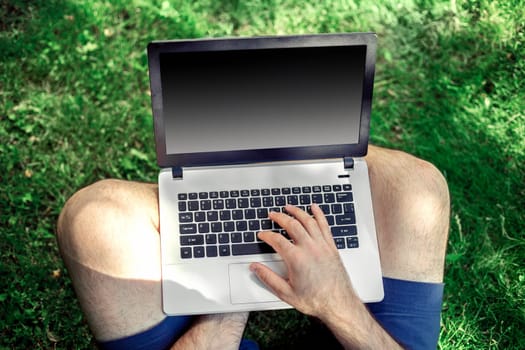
(109, 240)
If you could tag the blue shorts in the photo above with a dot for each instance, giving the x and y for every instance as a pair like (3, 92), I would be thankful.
(410, 313)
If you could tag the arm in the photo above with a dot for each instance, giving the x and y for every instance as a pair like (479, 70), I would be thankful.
(317, 283)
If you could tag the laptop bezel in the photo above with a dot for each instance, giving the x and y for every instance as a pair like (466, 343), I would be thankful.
(359, 149)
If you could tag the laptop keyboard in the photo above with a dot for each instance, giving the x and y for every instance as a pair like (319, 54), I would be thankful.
(226, 223)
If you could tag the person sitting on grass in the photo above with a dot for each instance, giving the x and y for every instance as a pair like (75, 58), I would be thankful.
(108, 234)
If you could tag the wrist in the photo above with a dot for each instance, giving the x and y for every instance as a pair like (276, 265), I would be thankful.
(355, 328)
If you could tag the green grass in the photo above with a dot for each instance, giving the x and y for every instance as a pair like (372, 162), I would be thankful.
(74, 108)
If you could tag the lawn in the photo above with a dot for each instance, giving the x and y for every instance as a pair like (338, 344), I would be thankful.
(74, 108)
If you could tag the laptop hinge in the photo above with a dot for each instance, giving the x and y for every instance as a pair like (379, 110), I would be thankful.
(349, 162)
(176, 172)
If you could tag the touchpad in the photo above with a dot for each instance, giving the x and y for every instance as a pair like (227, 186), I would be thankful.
(245, 286)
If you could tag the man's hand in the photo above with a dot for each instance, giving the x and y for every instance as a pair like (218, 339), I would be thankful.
(318, 284)
(317, 280)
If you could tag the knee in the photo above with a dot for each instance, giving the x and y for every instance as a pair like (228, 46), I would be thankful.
(85, 213)
(425, 181)
(409, 179)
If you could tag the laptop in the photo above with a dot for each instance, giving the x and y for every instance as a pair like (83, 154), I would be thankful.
(242, 127)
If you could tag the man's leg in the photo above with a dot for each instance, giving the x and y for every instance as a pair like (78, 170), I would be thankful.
(411, 207)
(109, 240)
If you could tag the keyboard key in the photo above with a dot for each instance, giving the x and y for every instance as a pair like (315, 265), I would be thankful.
(245, 193)
(211, 238)
(236, 237)
(255, 202)
(193, 195)
(216, 227)
(254, 225)
(262, 213)
(185, 252)
(224, 194)
(317, 198)
(229, 226)
(185, 217)
(206, 204)
(267, 202)
(193, 205)
(255, 193)
(182, 206)
(192, 240)
(293, 200)
(348, 207)
(234, 194)
(316, 189)
(285, 190)
(304, 199)
(211, 251)
(214, 194)
(231, 203)
(241, 225)
(224, 238)
(212, 215)
(248, 237)
(296, 190)
(266, 224)
(336, 188)
(280, 201)
(344, 197)
(327, 188)
(307, 189)
(198, 252)
(329, 198)
(243, 203)
(182, 196)
(347, 187)
(340, 243)
(352, 242)
(336, 208)
(251, 248)
(265, 192)
(348, 230)
(249, 214)
(203, 195)
(204, 227)
(187, 228)
(224, 250)
(276, 191)
(218, 204)
(345, 219)
(325, 208)
(225, 215)
(237, 214)
(200, 216)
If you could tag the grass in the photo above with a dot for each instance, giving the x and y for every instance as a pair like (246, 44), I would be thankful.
(74, 108)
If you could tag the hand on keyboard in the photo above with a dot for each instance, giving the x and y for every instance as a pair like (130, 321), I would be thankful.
(317, 281)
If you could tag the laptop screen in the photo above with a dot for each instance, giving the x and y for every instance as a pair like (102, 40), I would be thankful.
(261, 99)
(219, 101)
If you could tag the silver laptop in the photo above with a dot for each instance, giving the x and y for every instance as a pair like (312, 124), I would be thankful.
(242, 127)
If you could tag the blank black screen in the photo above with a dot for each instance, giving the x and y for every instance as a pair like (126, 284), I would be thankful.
(253, 99)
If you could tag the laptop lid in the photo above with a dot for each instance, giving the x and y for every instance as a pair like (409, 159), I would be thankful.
(262, 99)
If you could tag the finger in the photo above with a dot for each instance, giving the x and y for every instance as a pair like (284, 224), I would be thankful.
(272, 280)
(311, 225)
(322, 222)
(294, 228)
(275, 240)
